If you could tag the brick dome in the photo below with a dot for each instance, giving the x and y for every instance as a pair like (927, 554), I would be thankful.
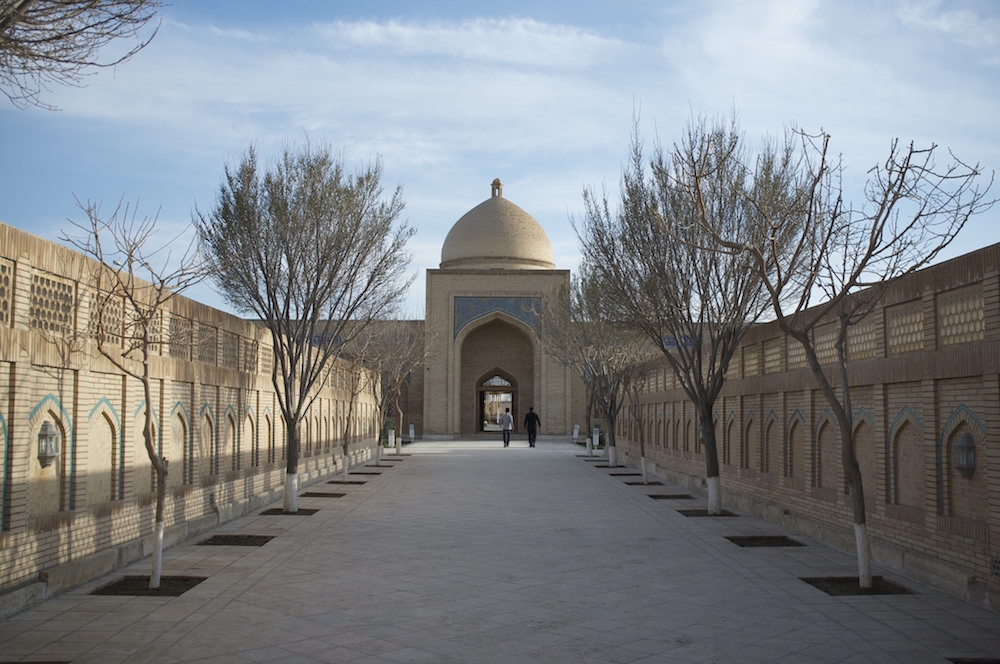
(497, 234)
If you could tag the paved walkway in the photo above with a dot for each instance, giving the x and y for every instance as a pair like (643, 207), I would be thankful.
(469, 552)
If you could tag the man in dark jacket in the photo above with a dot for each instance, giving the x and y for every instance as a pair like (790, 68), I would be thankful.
(531, 423)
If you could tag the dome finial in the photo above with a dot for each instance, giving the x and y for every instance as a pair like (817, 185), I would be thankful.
(496, 189)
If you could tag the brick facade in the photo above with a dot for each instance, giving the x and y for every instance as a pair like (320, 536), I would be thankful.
(486, 322)
(217, 418)
(923, 371)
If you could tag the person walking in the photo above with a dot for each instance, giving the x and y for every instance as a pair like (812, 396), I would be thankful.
(531, 423)
(507, 424)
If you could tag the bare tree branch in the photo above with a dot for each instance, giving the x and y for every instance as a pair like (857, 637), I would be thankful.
(316, 253)
(669, 279)
(57, 41)
(835, 261)
(134, 278)
(585, 332)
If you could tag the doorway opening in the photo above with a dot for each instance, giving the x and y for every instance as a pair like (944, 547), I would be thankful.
(496, 394)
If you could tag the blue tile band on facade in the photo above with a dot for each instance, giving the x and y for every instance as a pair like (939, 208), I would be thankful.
(524, 309)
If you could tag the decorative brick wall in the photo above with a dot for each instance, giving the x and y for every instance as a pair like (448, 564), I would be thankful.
(924, 369)
(217, 422)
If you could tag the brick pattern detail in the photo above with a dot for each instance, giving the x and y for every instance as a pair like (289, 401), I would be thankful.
(179, 337)
(751, 361)
(266, 359)
(6, 291)
(796, 355)
(230, 350)
(905, 328)
(772, 356)
(52, 304)
(250, 347)
(961, 316)
(825, 341)
(107, 318)
(208, 344)
(156, 333)
(862, 339)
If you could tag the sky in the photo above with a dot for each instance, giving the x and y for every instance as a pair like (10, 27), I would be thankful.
(452, 94)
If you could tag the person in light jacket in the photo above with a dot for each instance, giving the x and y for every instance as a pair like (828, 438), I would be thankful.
(507, 424)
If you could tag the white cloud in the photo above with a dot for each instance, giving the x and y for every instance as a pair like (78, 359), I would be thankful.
(451, 104)
(496, 42)
(977, 30)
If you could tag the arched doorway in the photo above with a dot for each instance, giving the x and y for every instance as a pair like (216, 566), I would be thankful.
(497, 392)
(495, 348)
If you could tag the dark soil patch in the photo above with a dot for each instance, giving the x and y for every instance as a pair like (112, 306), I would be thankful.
(704, 512)
(378, 465)
(237, 540)
(624, 474)
(848, 585)
(974, 660)
(346, 482)
(753, 541)
(321, 494)
(671, 496)
(170, 586)
(278, 511)
(653, 483)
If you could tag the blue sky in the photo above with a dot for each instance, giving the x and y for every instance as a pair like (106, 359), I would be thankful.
(539, 94)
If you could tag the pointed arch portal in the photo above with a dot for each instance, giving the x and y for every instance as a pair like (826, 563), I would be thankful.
(497, 360)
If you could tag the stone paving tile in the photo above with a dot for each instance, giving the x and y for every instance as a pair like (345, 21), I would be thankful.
(469, 552)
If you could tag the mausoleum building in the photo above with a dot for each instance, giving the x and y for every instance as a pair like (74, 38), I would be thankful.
(485, 348)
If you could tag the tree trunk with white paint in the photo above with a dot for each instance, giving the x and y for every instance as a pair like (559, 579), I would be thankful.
(714, 495)
(154, 577)
(864, 555)
(710, 445)
(291, 504)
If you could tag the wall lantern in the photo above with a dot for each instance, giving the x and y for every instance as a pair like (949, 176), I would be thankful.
(964, 451)
(48, 444)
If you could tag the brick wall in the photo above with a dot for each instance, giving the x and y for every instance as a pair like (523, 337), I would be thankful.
(217, 422)
(923, 371)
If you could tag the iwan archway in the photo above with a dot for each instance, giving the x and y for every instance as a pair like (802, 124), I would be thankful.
(494, 353)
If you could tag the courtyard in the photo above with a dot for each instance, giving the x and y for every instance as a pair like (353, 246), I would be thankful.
(464, 551)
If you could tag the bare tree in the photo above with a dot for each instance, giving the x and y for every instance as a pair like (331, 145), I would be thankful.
(360, 364)
(397, 349)
(584, 333)
(133, 281)
(635, 389)
(316, 253)
(356, 379)
(692, 302)
(57, 41)
(845, 258)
